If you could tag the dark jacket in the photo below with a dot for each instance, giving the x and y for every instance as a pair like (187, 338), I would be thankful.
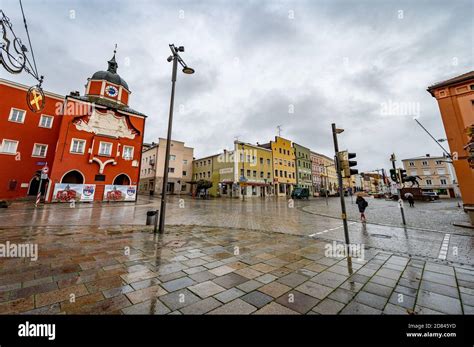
(362, 203)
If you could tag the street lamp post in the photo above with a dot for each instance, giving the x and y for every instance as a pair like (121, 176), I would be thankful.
(187, 70)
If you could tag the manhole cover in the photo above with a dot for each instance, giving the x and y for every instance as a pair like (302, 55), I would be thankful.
(175, 244)
(382, 236)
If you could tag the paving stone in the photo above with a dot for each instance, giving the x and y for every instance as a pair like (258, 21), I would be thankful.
(230, 280)
(403, 300)
(109, 293)
(329, 279)
(365, 271)
(201, 307)
(145, 283)
(221, 270)
(391, 309)
(443, 269)
(438, 302)
(342, 295)
(206, 289)
(213, 264)
(267, 278)
(202, 276)
(424, 310)
(152, 306)
(177, 284)
(274, 289)
(414, 284)
(250, 285)
(314, 289)
(275, 309)
(406, 291)
(357, 308)
(378, 289)
(329, 306)
(371, 300)
(194, 262)
(440, 289)
(293, 279)
(257, 299)
(389, 273)
(194, 270)
(237, 306)
(172, 276)
(229, 295)
(315, 267)
(467, 299)
(439, 278)
(262, 267)
(468, 309)
(384, 281)
(249, 273)
(179, 299)
(352, 286)
(145, 294)
(297, 301)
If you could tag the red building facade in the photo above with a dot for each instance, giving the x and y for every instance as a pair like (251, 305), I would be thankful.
(94, 144)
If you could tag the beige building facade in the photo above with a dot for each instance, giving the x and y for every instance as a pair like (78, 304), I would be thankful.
(436, 174)
(153, 165)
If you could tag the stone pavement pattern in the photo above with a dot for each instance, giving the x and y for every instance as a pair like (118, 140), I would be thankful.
(209, 270)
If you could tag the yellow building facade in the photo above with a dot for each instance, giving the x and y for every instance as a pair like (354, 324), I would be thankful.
(284, 165)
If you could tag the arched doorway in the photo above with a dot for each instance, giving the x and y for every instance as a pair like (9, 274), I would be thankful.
(122, 180)
(73, 177)
(34, 184)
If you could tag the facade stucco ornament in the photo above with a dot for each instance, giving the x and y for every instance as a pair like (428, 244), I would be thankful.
(107, 124)
(103, 164)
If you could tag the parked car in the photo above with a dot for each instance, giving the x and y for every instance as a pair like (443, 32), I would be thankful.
(430, 196)
(300, 193)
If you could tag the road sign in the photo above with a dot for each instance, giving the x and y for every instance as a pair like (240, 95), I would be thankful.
(40, 163)
(45, 170)
(44, 176)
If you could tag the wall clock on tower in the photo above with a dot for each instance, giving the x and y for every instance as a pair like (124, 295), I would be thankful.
(111, 91)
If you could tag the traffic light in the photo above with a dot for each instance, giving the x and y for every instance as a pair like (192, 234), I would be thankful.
(403, 175)
(470, 145)
(393, 175)
(346, 164)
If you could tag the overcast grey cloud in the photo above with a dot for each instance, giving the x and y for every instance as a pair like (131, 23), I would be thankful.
(328, 61)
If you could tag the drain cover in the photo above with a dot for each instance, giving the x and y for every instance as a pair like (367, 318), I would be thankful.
(382, 236)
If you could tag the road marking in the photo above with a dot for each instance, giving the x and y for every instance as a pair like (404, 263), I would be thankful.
(325, 231)
(443, 252)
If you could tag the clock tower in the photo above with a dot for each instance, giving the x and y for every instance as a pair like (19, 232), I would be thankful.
(108, 85)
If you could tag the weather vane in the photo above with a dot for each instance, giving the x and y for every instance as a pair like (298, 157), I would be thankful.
(14, 58)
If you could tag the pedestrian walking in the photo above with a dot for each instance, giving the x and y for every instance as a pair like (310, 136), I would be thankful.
(362, 204)
(410, 199)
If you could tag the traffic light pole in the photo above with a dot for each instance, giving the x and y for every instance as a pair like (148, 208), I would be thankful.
(399, 179)
(341, 189)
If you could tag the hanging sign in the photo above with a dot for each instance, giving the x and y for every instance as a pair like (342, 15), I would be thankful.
(35, 99)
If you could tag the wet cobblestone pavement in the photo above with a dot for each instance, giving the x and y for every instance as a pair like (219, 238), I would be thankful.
(274, 215)
(216, 270)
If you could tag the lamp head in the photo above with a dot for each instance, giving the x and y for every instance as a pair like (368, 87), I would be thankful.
(170, 58)
(188, 70)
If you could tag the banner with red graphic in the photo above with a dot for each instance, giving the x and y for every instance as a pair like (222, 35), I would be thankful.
(120, 193)
(67, 192)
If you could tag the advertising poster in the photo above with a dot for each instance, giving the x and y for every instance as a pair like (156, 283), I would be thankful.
(120, 193)
(67, 192)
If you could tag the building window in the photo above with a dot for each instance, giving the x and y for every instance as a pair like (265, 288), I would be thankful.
(411, 163)
(248, 173)
(428, 182)
(105, 148)
(39, 150)
(254, 173)
(185, 162)
(171, 169)
(184, 173)
(183, 188)
(426, 172)
(241, 172)
(261, 174)
(439, 162)
(268, 161)
(276, 173)
(209, 174)
(46, 121)
(413, 173)
(280, 150)
(78, 146)
(443, 181)
(17, 116)
(441, 172)
(268, 174)
(424, 163)
(9, 146)
(128, 153)
(261, 161)
(172, 157)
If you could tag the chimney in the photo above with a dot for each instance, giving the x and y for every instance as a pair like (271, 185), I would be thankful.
(75, 93)
(427, 155)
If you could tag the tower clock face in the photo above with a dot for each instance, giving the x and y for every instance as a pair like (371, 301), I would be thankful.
(111, 91)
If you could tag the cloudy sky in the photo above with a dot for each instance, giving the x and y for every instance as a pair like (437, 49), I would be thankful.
(364, 65)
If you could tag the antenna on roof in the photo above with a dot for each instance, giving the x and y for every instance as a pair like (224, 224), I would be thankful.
(279, 128)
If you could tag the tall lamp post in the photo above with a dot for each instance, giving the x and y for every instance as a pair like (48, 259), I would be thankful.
(175, 58)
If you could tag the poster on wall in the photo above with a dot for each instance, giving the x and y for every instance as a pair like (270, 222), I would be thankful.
(115, 192)
(66, 192)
